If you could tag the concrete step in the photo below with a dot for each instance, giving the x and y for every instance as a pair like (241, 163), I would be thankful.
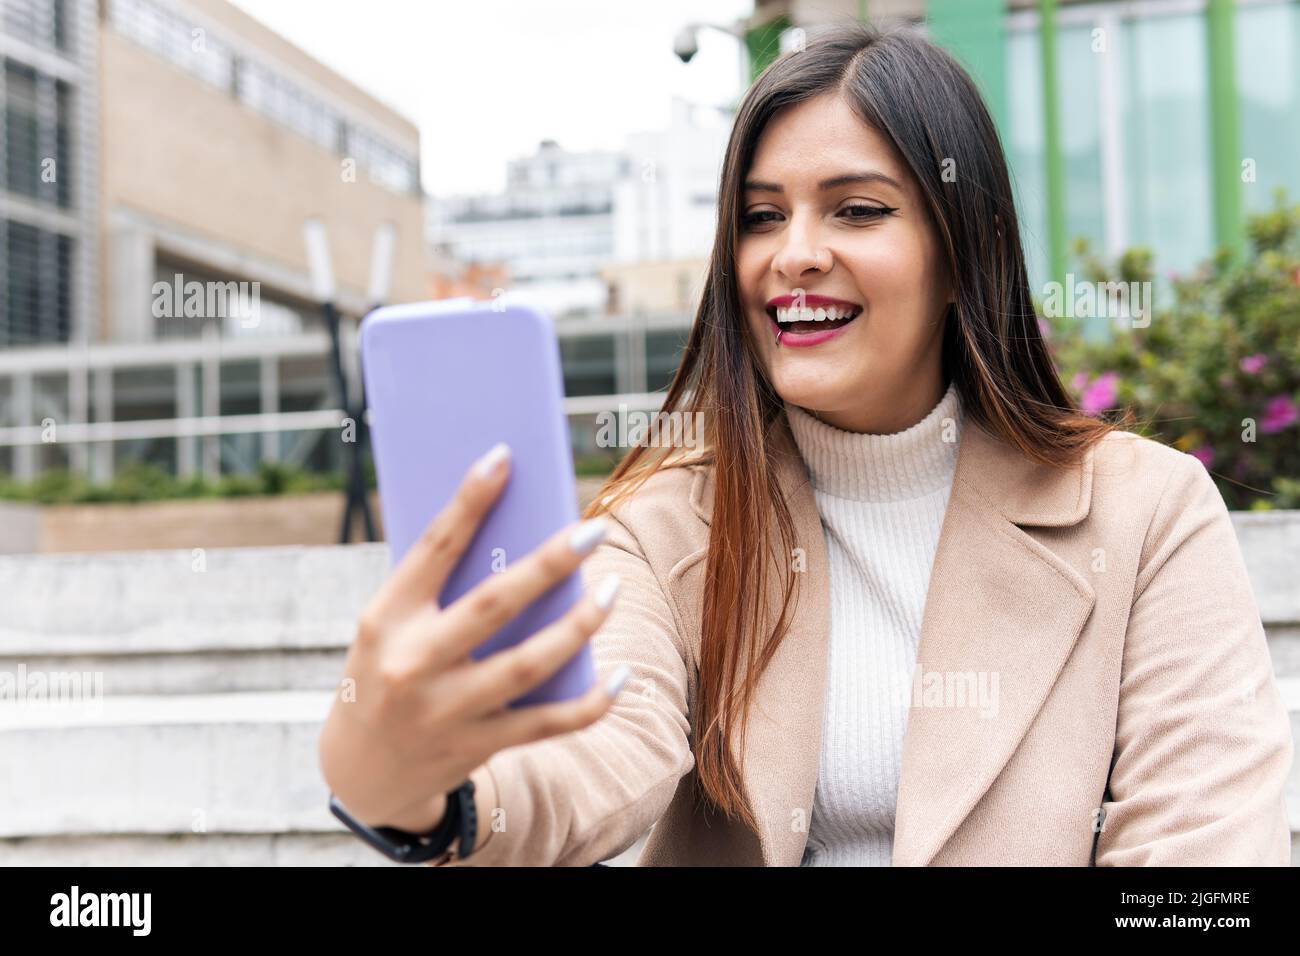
(215, 779)
(171, 764)
(224, 620)
(231, 620)
(211, 849)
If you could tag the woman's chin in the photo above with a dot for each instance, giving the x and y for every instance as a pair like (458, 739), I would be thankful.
(806, 393)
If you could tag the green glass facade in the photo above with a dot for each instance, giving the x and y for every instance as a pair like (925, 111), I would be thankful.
(1159, 124)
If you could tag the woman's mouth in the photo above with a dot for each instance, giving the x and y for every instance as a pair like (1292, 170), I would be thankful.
(799, 328)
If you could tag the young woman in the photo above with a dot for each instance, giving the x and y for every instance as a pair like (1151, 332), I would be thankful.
(905, 605)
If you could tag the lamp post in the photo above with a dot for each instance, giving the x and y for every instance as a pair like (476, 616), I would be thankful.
(323, 288)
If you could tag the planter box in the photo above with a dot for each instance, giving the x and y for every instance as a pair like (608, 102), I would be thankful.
(189, 523)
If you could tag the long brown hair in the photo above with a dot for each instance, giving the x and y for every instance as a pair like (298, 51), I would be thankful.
(919, 98)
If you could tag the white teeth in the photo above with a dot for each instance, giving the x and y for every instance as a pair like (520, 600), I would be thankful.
(814, 315)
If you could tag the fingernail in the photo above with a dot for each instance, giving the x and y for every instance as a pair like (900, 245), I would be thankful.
(488, 464)
(605, 592)
(588, 534)
(617, 680)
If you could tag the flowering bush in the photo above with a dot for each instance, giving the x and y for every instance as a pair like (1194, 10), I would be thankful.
(1216, 372)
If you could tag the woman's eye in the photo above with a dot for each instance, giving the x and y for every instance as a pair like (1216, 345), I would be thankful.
(866, 213)
(855, 213)
(753, 218)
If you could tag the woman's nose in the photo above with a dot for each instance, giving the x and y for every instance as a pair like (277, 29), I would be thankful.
(800, 253)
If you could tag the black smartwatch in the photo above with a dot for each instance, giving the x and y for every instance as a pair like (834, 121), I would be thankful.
(459, 820)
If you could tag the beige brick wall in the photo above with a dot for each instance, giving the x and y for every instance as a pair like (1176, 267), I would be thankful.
(180, 151)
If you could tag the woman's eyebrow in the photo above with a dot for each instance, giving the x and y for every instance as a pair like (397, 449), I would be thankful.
(844, 179)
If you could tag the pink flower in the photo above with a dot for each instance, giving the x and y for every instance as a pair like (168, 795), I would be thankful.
(1100, 395)
(1204, 454)
(1079, 381)
(1044, 329)
(1278, 413)
(1253, 363)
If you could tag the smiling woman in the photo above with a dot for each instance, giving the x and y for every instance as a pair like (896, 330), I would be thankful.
(867, 264)
(905, 605)
(867, 334)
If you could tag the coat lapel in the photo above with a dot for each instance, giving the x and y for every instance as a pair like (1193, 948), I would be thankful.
(1001, 608)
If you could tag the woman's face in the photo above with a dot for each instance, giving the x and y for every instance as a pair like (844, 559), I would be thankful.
(829, 210)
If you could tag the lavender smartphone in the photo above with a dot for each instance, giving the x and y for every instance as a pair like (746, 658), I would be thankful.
(445, 381)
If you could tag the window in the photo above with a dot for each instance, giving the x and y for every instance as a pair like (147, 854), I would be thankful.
(386, 165)
(38, 297)
(663, 351)
(168, 34)
(1268, 77)
(588, 363)
(22, 130)
(1164, 104)
(36, 135)
(40, 22)
(1134, 130)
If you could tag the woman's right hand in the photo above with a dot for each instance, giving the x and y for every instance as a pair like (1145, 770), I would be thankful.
(416, 713)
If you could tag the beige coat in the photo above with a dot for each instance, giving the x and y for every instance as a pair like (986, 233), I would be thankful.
(1137, 721)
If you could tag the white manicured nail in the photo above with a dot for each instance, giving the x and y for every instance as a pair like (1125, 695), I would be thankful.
(605, 592)
(617, 680)
(588, 534)
(489, 462)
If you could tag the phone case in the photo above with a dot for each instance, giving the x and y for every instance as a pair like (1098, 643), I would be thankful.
(445, 381)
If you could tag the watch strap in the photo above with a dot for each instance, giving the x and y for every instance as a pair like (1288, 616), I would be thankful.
(467, 819)
(405, 847)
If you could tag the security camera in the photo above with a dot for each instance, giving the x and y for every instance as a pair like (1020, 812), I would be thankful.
(685, 45)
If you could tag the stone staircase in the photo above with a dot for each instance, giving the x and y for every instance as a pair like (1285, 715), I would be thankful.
(216, 669)
(204, 678)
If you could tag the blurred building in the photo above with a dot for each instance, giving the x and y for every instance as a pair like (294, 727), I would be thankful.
(565, 217)
(550, 229)
(613, 245)
(655, 287)
(666, 209)
(191, 145)
(219, 140)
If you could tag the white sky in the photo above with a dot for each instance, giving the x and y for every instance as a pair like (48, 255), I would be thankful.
(487, 80)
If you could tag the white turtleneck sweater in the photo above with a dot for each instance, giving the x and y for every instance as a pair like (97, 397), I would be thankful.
(882, 500)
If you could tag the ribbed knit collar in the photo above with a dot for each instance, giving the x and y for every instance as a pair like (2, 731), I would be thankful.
(863, 467)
